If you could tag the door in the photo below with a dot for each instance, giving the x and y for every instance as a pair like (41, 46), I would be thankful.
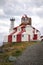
(19, 38)
(10, 38)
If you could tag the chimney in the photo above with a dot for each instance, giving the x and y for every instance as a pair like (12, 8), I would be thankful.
(12, 23)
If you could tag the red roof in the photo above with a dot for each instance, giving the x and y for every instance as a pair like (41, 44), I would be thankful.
(35, 29)
(15, 28)
(12, 33)
(22, 26)
(21, 32)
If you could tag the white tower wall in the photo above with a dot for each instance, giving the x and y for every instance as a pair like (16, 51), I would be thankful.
(12, 24)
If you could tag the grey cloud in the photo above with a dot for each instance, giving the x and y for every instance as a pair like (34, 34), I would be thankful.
(3, 24)
(2, 3)
(2, 36)
(37, 3)
(19, 7)
(40, 13)
(41, 29)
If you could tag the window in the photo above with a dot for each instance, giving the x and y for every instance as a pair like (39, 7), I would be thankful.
(23, 29)
(19, 29)
(22, 35)
(14, 36)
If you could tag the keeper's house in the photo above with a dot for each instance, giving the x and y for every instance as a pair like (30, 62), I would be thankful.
(24, 32)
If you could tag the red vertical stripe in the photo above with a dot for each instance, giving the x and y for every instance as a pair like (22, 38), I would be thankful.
(19, 38)
(10, 38)
(35, 37)
(29, 37)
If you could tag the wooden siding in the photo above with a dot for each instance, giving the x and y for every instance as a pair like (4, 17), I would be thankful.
(35, 37)
(19, 38)
(10, 38)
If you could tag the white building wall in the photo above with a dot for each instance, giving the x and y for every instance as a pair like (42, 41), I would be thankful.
(14, 37)
(24, 37)
(38, 36)
(19, 29)
(29, 30)
(35, 31)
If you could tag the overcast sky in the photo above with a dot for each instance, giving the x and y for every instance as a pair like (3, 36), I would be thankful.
(16, 8)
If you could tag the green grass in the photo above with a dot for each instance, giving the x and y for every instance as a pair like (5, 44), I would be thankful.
(13, 49)
(17, 53)
(6, 63)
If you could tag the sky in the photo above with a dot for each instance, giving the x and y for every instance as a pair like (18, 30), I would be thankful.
(17, 8)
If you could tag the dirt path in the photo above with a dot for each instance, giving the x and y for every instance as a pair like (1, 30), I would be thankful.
(33, 55)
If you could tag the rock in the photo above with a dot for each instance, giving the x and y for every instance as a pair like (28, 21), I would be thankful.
(1, 60)
(12, 58)
(1, 51)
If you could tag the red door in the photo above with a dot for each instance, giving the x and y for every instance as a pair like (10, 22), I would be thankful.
(28, 37)
(19, 38)
(10, 38)
(35, 37)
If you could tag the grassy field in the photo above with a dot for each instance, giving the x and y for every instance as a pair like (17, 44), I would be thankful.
(13, 49)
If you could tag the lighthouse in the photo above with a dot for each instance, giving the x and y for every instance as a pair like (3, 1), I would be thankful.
(12, 24)
(24, 32)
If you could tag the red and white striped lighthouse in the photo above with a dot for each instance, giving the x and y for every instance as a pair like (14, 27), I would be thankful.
(24, 32)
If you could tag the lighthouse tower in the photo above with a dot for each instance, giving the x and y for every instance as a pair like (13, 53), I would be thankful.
(12, 24)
